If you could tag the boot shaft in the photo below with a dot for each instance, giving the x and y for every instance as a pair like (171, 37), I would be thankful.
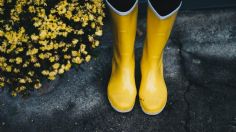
(124, 26)
(158, 32)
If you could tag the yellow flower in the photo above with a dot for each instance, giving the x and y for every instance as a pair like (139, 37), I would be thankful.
(84, 24)
(68, 14)
(29, 80)
(37, 23)
(93, 25)
(77, 60)
(22, 81)
(88, 58)
(32, 51)
(2, 84)
(20, 49)
(33, 59)
(31, 9)
(19, 89)
(25, 65)
(90, 38)
(67, 67)
(61, 11)
(37, 65)
(98, 32)
(64, 34)
(75, 41)
(91, 17)
(80, 32)
(51, 77)
(13, 93)
(43, 34)
(54, 42)
(41, 56)
(44, 43)
(99, 20)
(52, 59)
(67, 57)
(16, 70)
(37, 85)
(53, 73)
(74, 53)
(82, 47)
(11, 60)
(8, 68)
(1, 33)
(34, 37)
(56, 66)
(96, 43)
(76, 18)
(31, 73)
(45, 72)
(61, 71)
(18, 60)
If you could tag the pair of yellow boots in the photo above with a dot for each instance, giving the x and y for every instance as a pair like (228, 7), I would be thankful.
(122, 88)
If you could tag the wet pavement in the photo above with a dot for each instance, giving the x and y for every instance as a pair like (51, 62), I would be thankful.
(200, 74)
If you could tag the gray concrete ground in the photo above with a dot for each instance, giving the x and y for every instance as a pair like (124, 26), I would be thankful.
(200, 73)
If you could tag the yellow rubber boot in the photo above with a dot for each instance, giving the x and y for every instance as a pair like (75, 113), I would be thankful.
(153, 91)
(122, 88)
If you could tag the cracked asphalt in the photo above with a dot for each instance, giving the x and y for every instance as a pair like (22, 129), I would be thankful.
(200, 74)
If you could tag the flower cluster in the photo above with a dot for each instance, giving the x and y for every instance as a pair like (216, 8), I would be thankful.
(40, 39)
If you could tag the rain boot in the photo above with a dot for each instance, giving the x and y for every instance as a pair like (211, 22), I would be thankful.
(160, 19)
(121, 87)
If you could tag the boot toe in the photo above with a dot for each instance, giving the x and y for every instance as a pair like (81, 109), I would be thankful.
(153, 105)
(122, 104)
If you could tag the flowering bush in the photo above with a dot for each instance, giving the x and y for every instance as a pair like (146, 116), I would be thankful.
(40, 39)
